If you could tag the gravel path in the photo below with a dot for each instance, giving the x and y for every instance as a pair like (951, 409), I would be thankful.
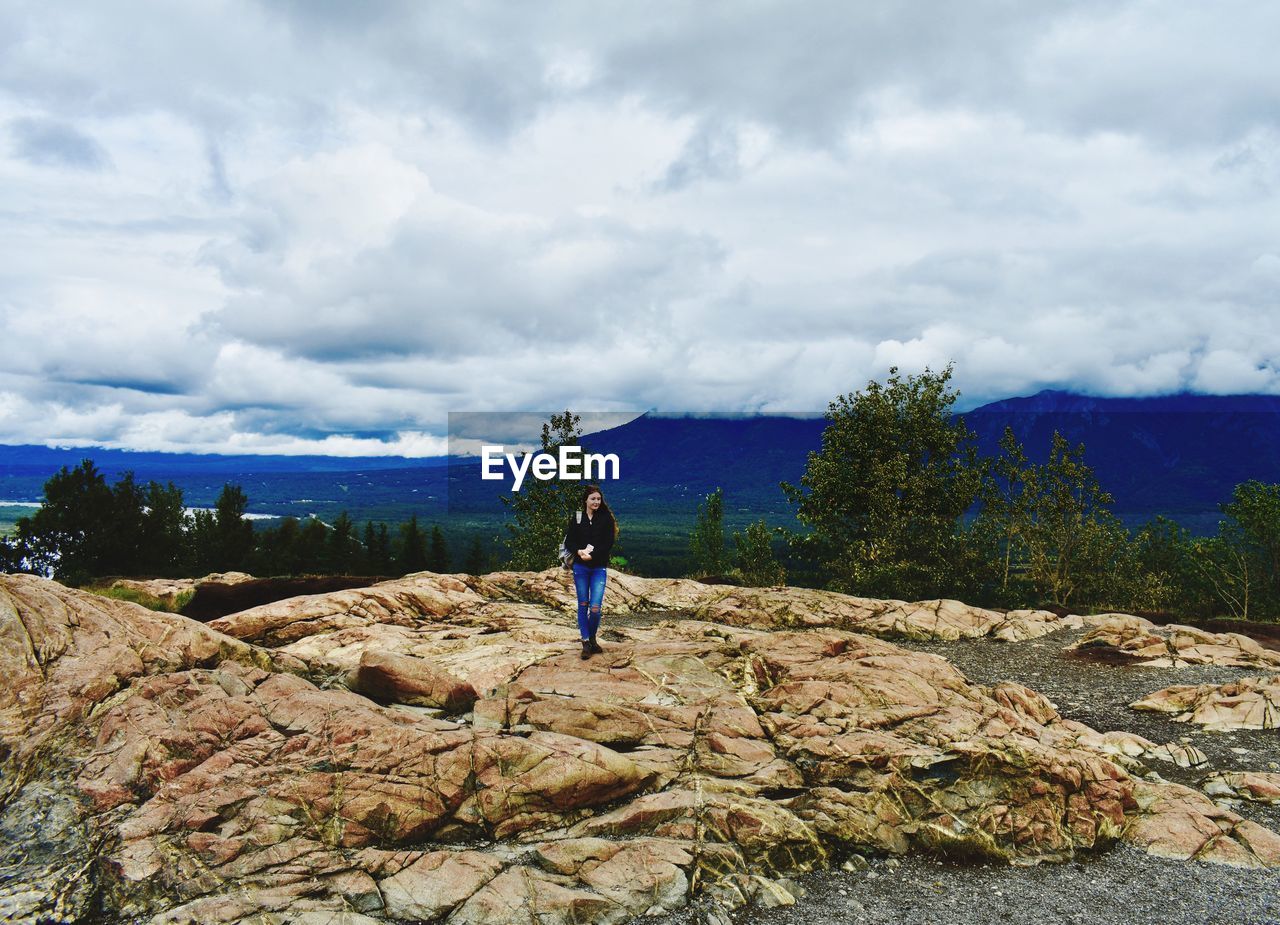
(1119, 887)
(1116, 886)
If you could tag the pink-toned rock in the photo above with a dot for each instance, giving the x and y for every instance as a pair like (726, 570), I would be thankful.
(1257, 786)
(775, 608)
(694, 755)
(63, 652)
(436, 883)
(404, 679)
(259, 779)
(751, 831)
(1246, 703)
(527, 894)
(1125, 747)
(796, 607)
(170, 590)
(1173, 645)
(400, 602)
(1020, 625)
(301, 902)
(646, 876)
(1177, 822)
(520, 782)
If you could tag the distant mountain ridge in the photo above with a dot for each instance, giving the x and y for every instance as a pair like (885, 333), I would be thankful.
(1054, 401)
(1178, 455)
(145, 461)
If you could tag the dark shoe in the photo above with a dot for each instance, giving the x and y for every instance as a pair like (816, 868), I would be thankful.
(586, 649)
(595, 646)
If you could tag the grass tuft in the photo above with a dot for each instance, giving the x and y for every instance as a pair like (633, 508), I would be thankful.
(134, 596)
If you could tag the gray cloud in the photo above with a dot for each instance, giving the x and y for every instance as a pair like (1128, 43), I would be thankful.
(811, 70)
(53, 143)
(711, 153)
(219, 185)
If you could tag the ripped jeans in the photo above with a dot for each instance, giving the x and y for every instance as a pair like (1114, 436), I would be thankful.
(589, 580)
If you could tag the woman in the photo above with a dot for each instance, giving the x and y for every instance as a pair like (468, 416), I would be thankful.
(589, 539)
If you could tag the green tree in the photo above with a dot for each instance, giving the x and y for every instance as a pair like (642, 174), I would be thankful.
(232, 533)
(1227, 574)
(1074, 543)
(438, 556)
(345, 554)
(122, 536)
(477, 561)
(1240, 567)
(86, 529)
(67, 536)
(1158, 571)
(1253, 524)
(706, 543)
(14, 555)
(202, 543)
(884, 497)
(542, 508)
(313, 547)
(1161, 548)
(165, 524)
(411, 556)
(276, 550)
(377, 546)
(757, 563)
(288, 559)
(998, 535)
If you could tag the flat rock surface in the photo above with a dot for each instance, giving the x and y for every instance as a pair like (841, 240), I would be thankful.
(1243, 703)
(434, 747)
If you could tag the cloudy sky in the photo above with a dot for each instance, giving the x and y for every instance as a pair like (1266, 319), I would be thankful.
(233, 226)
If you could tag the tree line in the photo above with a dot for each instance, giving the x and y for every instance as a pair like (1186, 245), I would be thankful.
(87, 529)
(899, 503)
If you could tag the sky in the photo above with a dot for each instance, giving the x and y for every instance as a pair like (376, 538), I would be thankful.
(321, 227)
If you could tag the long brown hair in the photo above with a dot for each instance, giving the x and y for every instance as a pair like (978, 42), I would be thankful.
(587, 492)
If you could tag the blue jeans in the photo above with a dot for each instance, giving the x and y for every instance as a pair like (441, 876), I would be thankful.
(589, 580)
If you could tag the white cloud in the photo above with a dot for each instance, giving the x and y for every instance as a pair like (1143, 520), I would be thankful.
(1227, 372)
(111, 426)
(286, 225)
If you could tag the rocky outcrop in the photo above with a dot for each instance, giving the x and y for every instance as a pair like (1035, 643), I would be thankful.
(1255, 786)
(1171, 646)
(434, 746)
(64, 656)
(769, 608)
(386, 676)
(170, 590)
(1177, 822)
(1246, 703)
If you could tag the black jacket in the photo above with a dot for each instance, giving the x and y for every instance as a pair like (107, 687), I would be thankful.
(596, 531)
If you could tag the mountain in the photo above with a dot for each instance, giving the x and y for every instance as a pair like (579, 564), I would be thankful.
(1178, 455)
(148, 464)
